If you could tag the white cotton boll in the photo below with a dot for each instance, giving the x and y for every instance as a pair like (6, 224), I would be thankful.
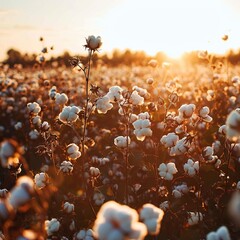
(208, 152)
(66, 167)
(52, 226)
(115, 94)
(18, 126)
(69, 114)
(204, 111)
(136, 99)
(186, 110)
(162, 167)
(133, 118)
(233, 125)
(115, 221)
(45, 126)
(103, 105)
(34, 134)
(94, 171)
(34, 108)
(168, 176)
(194, 218)
(68, 207)
(143, 116)
(21, 193)
(221, 234)
(71, 148)
(73, 151)
(164, 205)
(169, 140)
(152, 217)
(98, 198)
(208, 119)
(61, 99)
(122, 142)
(37, 121)
(172, 168)
(176, 193)
(41, 180)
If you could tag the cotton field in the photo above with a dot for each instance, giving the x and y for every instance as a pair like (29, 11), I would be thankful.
(117, 153)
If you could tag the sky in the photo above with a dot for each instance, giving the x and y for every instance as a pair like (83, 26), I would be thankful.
(172, 26)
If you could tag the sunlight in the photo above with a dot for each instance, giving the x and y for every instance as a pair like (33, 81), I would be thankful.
(170, 26)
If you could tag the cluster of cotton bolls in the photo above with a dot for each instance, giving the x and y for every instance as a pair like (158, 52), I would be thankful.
(167, 171)
(142, 126)
(34, 109)
(169, 140)
(180, 190)
(115, 221)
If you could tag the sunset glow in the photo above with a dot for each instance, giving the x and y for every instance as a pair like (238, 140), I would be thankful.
(170, 26)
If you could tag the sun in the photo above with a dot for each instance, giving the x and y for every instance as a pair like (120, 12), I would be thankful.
(173, 27)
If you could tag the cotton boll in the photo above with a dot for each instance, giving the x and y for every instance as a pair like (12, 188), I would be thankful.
(233, 125)
(41, 180)
(115, 221)
(61, 99)
(69, 114)
(103, 105)
(34, 108)
(221, 234)
(136, 99)
(52, 226)
(152, 217)
(122, 142)
(66, 167)
(194, 218)
(68, 207)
